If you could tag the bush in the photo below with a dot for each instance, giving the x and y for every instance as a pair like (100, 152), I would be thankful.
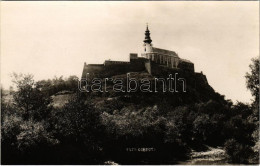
(24, 142)
(237, 152)
(33, 135)
(10, 129)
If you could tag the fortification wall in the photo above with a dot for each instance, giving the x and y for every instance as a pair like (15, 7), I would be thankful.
(92, 69)
(186, 66)
(137, 64)
(158, 70)
(115, 69)
(108, 62)
(106, 71)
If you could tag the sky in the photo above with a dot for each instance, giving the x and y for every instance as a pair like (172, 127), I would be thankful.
(50, 39)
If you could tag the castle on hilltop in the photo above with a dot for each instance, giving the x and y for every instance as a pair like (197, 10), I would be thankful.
(150, 60)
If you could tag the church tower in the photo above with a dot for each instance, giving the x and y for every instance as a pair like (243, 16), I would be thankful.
(147, 41)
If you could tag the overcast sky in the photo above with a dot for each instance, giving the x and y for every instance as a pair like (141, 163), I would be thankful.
(56, 38)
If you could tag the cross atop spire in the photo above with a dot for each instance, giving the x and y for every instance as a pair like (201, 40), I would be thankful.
(147, 38)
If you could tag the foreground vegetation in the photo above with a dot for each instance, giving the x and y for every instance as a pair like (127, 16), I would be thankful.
(97, 127)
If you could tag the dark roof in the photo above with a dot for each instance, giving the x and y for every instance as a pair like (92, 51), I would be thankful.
(163, 51)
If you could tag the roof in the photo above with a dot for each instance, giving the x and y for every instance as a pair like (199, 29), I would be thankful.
(185, 60)
(163, 51)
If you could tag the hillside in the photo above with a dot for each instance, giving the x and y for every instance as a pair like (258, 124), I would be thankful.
(197, 89)
(169, 117)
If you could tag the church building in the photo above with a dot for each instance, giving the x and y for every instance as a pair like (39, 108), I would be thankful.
(162, 56)
(150, 60)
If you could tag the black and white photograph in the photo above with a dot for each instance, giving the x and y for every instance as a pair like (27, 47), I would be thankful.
(129, 82)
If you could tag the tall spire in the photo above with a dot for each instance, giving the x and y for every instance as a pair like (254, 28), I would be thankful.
(147, 38)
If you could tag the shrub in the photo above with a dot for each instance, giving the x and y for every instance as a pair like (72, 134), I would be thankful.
(10, 129)
(32, 135)
(237, 152)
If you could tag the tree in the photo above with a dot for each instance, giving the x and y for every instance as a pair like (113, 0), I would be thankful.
(78, 123)
(24, 85)
(252, 83)
(29, 99)
(252, 79)
(72, 83)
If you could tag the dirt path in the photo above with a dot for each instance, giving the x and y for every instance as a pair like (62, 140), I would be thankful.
(214, 156)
